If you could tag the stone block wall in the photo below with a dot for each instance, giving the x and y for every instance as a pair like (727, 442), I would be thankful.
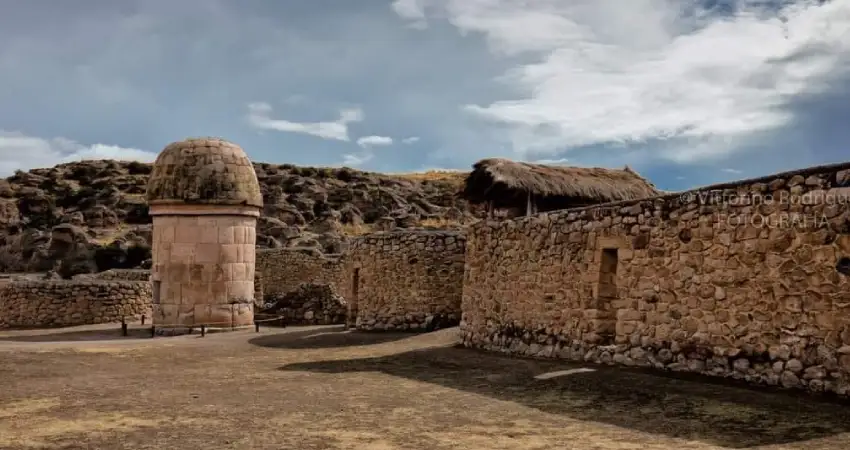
(282, 270)
(258, 291)
(203, 270)
(71, 302)
(119, 274)
(744, 280)
(285, 274)
(310, 304)
(405, 280)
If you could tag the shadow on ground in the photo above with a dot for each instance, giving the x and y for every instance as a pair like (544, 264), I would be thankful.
(331, 337)
(727, 416)
(82, 335)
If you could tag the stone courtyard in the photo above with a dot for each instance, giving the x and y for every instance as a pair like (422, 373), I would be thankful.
(312, 388)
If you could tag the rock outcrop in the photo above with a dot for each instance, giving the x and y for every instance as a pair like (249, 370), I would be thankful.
(92, 216)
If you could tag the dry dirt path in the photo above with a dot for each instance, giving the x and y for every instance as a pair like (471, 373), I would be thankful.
(320, 388)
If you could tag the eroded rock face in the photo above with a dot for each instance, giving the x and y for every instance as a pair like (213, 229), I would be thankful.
(727, 287)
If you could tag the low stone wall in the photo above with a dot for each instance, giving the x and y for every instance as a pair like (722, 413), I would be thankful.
(258, 291)
(405, 280)
(310, 304)
(282, 270)
(66, 303)
(745, 280)
(119, 274)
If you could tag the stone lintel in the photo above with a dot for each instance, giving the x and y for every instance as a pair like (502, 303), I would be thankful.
(203, 210)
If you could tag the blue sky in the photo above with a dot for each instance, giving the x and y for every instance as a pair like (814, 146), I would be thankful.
(686, 92)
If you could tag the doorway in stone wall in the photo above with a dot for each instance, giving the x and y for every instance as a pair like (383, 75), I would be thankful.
(606, 295)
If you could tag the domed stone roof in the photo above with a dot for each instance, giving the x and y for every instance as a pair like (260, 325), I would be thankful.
(207, 171)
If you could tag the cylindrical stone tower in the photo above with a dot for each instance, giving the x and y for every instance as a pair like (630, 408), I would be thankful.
(204, 199)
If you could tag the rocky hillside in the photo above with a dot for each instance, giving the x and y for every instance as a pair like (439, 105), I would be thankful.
(90, 216)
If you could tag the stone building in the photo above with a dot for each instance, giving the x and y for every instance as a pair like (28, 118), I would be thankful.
(404, 280)
(515, 189)
(204, 199)
(747, 280)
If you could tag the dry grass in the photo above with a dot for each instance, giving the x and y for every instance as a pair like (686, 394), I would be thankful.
(356, 229)
(441, 223)
(360, 229)
(134, 197)
(316, 388)
(107, 236)
(434, 175)
(33, 423)
(495, 178)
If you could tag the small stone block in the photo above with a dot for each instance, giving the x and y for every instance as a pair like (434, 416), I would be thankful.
(207, 253)
(239, 234)
(225, 235)
(202, 314)
(185, 234)
(243, 315)
(166, 232)
(229, 253)
(239, 272)
(208, 235)
(221, 315)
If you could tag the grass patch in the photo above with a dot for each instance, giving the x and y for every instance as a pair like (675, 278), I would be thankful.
(441, 223)
(434, 175)
(357, 229)
(110, 235)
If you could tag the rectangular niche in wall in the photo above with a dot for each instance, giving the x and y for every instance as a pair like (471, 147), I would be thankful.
(156, 286)
(355, 284)
(608, 274)
(606, 295)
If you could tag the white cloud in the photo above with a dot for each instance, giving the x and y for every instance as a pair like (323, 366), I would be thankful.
(613, 71)
(410, 140)
(374, 141)
(552, 162)
(259, 117)
(367, 143)
(735, 171)
(355, 160)
(22, 152)
(412, 10)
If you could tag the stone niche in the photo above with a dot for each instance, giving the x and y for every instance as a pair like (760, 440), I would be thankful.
(405, 280)
(204, 200)
(741, 280)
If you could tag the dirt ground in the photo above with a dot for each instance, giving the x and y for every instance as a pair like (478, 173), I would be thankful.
(322, 388)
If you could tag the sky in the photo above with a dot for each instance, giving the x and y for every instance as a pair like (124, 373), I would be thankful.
(686, 92)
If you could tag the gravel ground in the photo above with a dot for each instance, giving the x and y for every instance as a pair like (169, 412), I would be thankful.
(321, 388)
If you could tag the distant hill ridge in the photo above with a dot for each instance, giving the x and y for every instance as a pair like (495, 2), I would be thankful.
(91, 215)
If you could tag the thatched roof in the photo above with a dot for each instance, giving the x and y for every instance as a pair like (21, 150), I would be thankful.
(504, 181)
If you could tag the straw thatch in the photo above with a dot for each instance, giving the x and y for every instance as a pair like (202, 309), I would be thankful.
(507, 184)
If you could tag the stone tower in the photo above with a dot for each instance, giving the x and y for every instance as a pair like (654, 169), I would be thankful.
(204, 199)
